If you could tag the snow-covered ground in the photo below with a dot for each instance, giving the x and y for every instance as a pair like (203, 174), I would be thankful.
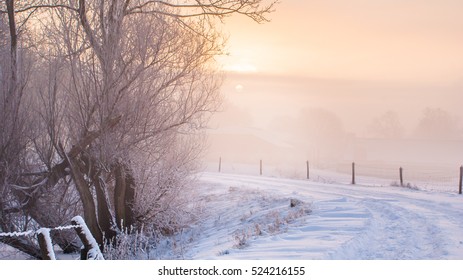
(249, 217)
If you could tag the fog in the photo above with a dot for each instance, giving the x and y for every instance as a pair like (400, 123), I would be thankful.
(332, 82)
(331, 123)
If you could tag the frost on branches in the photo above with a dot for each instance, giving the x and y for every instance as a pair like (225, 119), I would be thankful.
(103, 117)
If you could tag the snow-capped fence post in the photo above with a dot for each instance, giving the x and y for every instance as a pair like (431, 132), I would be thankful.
(91, 250)
(261, 167)
(45, 244)
(401, 176)
(353, 173)
(220, 164)
(461, 179)
(308, 171)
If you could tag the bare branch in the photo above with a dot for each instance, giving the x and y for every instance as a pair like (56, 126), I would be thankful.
(82, 11)
(255, 9)
(45, 6)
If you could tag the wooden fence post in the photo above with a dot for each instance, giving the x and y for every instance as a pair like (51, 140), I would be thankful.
(45, 244)
(220, 164)
(401, 176)
(353, 173)
(308, 170)
(261, 167)
(91, 249)
(461, 179)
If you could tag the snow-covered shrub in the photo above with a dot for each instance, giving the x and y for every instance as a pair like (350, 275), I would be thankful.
(408, 185)
(241, 238)
(297, 212)
(164, 201)
(129, 247)
(257, 229)
(394, 184)
(275, 222)
(269, 221)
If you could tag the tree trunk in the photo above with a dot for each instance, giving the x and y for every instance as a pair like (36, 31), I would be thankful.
(23, 245)
(119, 196)
(129, 198)
(105, 218)
(87, 200)
(13, 44)
(124, 195)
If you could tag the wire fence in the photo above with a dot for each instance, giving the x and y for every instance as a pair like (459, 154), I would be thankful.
(424, 177)
(35, 232)
(90, 249)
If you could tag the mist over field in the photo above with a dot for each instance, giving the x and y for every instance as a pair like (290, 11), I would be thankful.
(333, 82)
(331, 122)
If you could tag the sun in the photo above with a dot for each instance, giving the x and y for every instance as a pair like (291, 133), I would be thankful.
(239, 88)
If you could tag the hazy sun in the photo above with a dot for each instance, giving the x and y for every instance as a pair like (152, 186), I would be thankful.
(239, 88)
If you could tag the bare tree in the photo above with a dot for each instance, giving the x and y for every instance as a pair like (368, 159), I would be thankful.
(15, 130)
(121, 85)
(387, 126)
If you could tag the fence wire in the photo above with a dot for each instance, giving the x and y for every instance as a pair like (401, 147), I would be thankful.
(424, 177)
(34, 232)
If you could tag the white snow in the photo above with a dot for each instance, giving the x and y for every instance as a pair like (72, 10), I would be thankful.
(249, 217)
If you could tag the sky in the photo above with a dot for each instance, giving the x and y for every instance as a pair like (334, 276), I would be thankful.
(347, 56)
(389, 40)
(313, 82)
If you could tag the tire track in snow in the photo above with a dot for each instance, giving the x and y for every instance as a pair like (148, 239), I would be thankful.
(393, 232)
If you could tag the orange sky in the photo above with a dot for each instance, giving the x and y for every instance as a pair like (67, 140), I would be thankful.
(418, 41)
(357, 58)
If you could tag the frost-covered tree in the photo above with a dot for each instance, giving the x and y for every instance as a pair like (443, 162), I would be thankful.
(121, 90)
(15, 129)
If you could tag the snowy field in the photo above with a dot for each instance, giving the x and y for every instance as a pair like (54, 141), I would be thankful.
(249, 217)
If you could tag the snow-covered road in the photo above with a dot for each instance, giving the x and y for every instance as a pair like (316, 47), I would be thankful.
(241, 214)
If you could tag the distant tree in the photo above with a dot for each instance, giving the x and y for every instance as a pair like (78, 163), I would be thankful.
(386, 126)
(322, 133)
(437, 123)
